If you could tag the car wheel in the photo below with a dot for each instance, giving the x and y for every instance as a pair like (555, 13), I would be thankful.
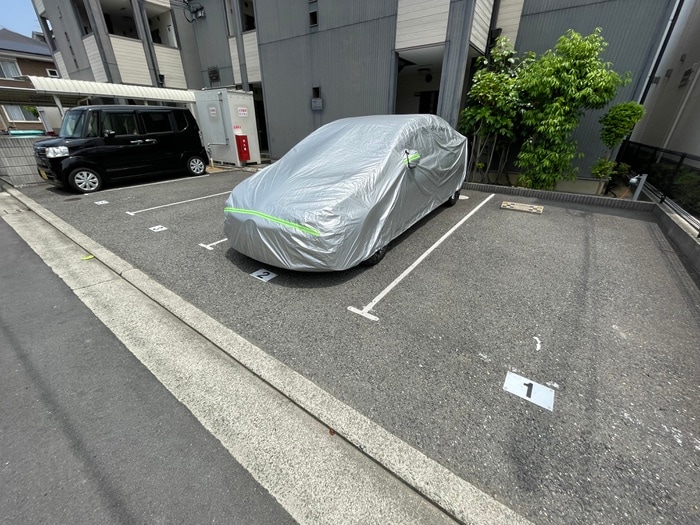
(85, 180)
(453, 199)
(375, 257)
(196, 165)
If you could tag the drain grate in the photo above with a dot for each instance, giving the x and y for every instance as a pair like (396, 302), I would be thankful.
(517, 206)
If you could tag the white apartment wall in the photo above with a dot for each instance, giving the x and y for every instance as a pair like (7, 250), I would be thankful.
(686, 136)
(424, 22)
(170, 65)
(665, 98)
(252, 58)
(131, 60)
(481, 24)
(421, 23)
(509, 18)
(162, 3)
(60, 64)
(39, 6)
(98, 69)
(235, 63)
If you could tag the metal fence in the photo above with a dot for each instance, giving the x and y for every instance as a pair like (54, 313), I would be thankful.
(674, 177)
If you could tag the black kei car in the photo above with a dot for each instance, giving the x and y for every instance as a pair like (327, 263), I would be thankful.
(100, 144)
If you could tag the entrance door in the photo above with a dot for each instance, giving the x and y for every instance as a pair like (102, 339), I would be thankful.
(428, 102)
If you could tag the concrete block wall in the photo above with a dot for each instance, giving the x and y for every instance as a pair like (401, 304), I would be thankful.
(17, 164)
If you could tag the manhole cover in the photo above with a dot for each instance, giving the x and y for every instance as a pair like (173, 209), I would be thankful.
(517, 206)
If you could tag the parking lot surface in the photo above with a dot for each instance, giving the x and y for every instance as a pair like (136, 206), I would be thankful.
(586, 315)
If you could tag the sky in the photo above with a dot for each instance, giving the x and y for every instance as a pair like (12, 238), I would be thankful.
(18, 16)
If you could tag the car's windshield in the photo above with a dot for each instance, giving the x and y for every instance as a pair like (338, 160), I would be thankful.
(72, 126)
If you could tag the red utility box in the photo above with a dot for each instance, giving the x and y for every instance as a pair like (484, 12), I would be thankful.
(242, 147)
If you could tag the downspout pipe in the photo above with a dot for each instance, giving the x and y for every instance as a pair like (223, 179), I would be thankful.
(662, 49)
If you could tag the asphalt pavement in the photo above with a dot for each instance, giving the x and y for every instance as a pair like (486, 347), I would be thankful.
(271, 461)
(87, 435)
(590, 307)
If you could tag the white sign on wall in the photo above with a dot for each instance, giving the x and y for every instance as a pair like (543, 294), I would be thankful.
(243, 112)
(212, 111)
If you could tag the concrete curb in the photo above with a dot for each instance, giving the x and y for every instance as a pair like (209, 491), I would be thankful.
(450, 493)
(562, 197)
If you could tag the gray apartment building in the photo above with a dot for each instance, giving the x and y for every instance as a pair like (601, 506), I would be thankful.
(309, 62)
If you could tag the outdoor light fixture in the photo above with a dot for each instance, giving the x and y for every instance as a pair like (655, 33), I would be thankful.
(195, 10)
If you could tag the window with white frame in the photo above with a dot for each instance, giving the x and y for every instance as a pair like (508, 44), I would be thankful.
(21, 113)
(9, 69)
(53, 73)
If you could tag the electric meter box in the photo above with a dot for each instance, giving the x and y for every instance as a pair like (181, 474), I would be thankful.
(226, 118)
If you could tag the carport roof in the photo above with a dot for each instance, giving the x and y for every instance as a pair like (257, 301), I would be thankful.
(40, 91)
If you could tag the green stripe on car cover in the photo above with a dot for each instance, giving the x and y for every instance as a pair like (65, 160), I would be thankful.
(301, 227)
(413, 157)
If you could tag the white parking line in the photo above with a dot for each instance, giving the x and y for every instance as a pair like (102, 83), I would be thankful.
(209, 246)
(132, 213)
(365, 311)
(151, 184)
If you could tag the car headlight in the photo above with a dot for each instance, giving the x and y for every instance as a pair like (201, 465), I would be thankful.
(58, 151)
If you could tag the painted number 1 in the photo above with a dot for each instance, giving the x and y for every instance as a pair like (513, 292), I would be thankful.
(529, 389)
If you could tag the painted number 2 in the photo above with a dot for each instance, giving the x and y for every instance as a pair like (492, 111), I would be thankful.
(263, 275)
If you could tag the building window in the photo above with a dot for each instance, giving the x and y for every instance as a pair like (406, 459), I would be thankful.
(52, 73)
(21, 113)
(247, 15)
(313, 13)
(9, 69)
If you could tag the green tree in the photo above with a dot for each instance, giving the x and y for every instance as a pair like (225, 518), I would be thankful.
(555, 91)
(618, 122)
(491, 115)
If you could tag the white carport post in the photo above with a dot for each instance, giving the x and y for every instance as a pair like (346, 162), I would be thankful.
(58, 104)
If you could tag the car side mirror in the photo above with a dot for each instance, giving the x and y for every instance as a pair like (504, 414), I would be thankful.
(411, 158)
(108, 134)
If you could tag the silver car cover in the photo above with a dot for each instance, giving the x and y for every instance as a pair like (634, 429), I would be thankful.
(345, 191)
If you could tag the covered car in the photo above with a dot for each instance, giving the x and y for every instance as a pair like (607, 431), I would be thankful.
(341, 195)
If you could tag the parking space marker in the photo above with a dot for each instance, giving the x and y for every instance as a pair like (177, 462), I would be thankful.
(132, 213)
(101, 202)
(264, 275)
(365, 311)
(209, 246)
(526, 389)
(158, 228)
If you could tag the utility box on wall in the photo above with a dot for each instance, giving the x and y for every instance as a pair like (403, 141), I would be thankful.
(227, 120)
